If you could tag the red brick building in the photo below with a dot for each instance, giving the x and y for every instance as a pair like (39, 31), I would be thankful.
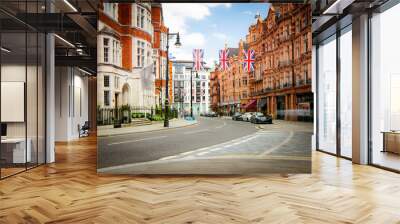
(160, 52)
(131, 55)
(280, 85)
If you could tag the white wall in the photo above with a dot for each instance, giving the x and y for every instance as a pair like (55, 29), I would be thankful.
(71, 102)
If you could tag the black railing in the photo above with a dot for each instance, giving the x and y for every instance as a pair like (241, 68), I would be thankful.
(299, 82)
(284, 63)
(125, 114)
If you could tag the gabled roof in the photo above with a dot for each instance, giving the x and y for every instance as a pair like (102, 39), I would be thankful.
(233, 51)
(109, 31)
(245, 46)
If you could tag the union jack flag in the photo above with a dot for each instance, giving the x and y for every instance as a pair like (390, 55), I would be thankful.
(223, 59)
(198, 59)
(248, 61)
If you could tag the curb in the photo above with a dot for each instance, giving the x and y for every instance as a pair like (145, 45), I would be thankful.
(188, 125)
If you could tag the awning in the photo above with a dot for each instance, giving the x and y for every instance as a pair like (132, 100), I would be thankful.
(251, 105)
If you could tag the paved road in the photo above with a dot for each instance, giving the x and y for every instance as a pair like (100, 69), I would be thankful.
(214, 146)
(142, 147)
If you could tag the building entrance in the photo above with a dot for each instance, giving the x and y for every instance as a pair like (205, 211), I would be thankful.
(280, 107)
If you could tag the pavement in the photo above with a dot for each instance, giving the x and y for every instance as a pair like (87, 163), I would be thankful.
(174, 123)
(213, 146)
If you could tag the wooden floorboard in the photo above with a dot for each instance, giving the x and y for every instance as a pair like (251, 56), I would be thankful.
(70, 191)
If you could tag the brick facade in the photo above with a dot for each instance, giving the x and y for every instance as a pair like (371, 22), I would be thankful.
(281, 81)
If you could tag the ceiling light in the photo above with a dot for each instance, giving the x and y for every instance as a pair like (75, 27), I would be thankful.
(5, 50)
(70, 5)
(337, 7)
(64, 40)
(86, 72)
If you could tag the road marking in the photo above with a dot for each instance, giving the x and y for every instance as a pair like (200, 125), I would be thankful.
(221, 126)
(216, 149)
(288, 138)
(202, 153)
(192, 132)
(219, 146)
(137, 140)
(168, 157)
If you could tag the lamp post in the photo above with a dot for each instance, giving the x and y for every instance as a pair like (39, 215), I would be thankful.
(177, 44)
(191, 91)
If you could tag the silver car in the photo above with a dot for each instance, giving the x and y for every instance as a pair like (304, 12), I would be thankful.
(246, 116)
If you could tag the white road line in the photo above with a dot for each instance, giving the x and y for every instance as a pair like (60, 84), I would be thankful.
(221, 126)
(197, 131)
(279, 145)
(202, 153)
(190, 154)
(168, 157)
(216, 149)
(137, 140)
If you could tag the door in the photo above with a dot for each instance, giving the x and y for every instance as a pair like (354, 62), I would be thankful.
(280, 107)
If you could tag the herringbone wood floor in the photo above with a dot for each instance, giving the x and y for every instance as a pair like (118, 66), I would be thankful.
(70, 191)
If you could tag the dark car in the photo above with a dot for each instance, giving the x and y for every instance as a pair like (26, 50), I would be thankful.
(237, 117)
(260, 118)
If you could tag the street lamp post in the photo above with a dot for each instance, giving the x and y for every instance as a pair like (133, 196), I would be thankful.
(191, 91)
(177, 44)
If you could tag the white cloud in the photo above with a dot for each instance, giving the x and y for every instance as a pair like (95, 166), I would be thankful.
(220, 36)
(189, 41)
(248, 13)
(196, 40)
(176, 15)
(227, 5)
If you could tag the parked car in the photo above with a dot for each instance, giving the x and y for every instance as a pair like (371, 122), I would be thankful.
(246, 116)
(212, 114)
(260, 118)
(237, 116)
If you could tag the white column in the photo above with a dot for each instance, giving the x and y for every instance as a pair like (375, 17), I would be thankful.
(50, 99)
(314, 88)
(360, 90)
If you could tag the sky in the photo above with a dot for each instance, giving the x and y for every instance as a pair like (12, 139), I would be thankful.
(209, 26)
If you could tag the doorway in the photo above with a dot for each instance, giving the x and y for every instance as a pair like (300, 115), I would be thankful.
(280, 107)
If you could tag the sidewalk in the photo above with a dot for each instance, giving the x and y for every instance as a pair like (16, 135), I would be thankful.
(282, 125)
(174, 123)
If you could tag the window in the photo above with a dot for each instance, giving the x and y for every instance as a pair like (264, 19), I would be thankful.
(305, 43)
(385, 88)
(327, 98)
(154, 67)
(117, 52)
(346, 94)
(179, 69)
(140, 53)
(140, 17)
(111, 9)
(106, 98)
(114, 51)
(148, 54)
(106, 81)
(106, 49)
(116, 82)
(305, 73)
